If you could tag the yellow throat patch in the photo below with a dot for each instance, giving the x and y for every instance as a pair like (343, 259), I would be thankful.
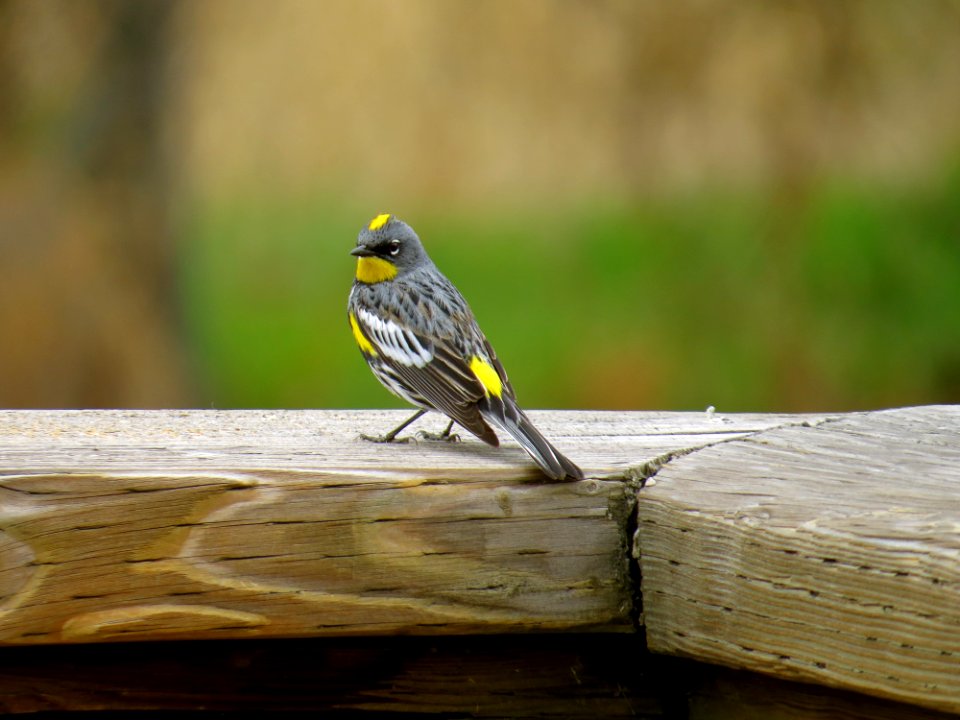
(487, 376)
(379, 221)
(366, 347)
(373, 270)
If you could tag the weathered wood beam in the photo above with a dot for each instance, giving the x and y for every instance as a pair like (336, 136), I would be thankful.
(829, 554)
(573, 676)
(538, 676)
(721, 693)
(824, 549)
(118, 525)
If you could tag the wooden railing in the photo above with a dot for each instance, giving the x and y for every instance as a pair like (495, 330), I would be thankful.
(818, 548)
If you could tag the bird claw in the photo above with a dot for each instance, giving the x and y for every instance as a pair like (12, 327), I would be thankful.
(442, 437)
(388, 438)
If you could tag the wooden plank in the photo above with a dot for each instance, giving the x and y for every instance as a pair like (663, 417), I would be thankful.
(126, 525)
(544, 675)
(578, 676)
(829, 554)
(721, 693)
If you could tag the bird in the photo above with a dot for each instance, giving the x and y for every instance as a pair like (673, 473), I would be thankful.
(421, 340)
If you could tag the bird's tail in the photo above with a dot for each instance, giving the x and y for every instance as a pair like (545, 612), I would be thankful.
(556, 465)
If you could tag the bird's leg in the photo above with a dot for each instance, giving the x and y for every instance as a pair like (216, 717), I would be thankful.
(445, 435)
(390, 436)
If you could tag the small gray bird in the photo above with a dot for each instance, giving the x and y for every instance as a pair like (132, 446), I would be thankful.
(420, 339)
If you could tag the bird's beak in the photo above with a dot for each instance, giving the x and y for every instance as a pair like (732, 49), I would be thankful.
(362, 251)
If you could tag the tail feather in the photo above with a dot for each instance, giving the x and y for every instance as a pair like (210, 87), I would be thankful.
(553, 463)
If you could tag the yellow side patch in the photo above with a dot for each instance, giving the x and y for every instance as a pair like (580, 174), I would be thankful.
(379, 221)
(366, 347)
(487, 376)
(373, 270)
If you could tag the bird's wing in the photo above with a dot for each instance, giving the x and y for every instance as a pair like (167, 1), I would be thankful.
(433, 367)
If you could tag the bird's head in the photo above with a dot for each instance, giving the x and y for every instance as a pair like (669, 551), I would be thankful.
(387, 247)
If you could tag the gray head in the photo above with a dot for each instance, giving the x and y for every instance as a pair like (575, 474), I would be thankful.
(387, 239)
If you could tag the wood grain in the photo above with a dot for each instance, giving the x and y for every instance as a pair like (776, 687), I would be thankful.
(492, 676)
(825, 549)
(578, 676)
(120, 525)
(721, 693)
(829, 554)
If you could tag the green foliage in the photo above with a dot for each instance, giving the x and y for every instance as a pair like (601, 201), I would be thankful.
(848, 297)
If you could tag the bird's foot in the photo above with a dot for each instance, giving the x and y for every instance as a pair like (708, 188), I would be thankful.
(388, 438)
(441, 437)
(392, 435)
(445, 436)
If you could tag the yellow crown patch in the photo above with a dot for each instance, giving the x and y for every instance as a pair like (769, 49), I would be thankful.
(379, 221)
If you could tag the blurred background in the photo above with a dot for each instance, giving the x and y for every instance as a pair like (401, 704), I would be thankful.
(650, 205)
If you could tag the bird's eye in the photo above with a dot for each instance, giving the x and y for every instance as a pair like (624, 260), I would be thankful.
(394, 248)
